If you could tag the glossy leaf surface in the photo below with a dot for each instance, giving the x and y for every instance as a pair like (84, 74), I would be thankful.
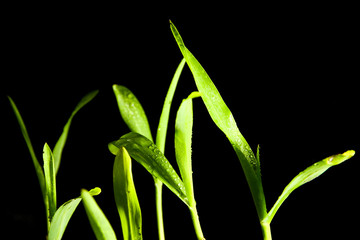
(224, 119)
(63, 214)
(125, 197)
(152, 159)
(131, 111)
(183, 136)
(98, 221)
(183, 139)
(308, 175)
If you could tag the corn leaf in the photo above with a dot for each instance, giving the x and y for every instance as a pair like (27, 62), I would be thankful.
(131, 111)
(60, 144)
(38, 169)
(183, 135)
(164, 118)
(50, 181)
(224, 119)
(63, 214)
(98, 221)
(152, 159)
(125, 197)
(306, 176)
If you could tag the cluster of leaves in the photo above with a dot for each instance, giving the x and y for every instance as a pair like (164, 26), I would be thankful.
(139, 145)
(57, 218)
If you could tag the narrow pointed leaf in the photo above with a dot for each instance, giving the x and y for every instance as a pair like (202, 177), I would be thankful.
(126, 198)
(164, 118)
(131, 111)
(224, 119)
(152, 159)
(98, 221)
(306, 176)
(183, 135)
(60, 144)
(37, 166)
(63, 215)
(50, 180)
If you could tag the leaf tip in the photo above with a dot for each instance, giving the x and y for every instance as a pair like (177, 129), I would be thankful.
(95, 191)
(112, 148)
(339, 158)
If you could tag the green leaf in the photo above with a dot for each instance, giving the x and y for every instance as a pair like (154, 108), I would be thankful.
(131, 111)
(61, 219)
(98, 221)
(164, 118)
(224, 119)
(306, 176)
(59, 146)
(183, 135)
(38, 168)
(63, 214)
(50, 180)
(125, 197)
(160, 142)
(152, 159)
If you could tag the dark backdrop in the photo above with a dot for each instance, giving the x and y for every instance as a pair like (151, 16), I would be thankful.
(288, 73)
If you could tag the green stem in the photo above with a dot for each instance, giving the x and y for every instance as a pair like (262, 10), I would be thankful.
(265, 227)
(196, 222)
(159, 211)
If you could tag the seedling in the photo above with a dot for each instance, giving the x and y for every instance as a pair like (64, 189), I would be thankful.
(224, 119)
(139, 145)
(56, 218)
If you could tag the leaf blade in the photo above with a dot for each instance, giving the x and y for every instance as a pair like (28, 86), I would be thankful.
(223, 118)
(38, 169)
(125, 196)
(98, 221)
(183, 141)
(63, 215)
(50, 180)
(306, 176)
(152, 159)
(164, 118)
(131, 111)
(60, 144)
(61, 219)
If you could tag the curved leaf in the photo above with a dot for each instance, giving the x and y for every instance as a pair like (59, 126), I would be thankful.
(149, 156)
(99, 223)
(223, 118)
(38, 169)
(183, 135)
(125, 197)
(164, 118)
(61, 219)
(131, 111)
(59, 146)
(63, 214)
(306, 176)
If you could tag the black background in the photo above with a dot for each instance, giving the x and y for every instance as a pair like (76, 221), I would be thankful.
(289, 73)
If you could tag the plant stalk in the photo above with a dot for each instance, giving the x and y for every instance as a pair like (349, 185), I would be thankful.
(266, 230)
(196, 223)
(159, 210)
